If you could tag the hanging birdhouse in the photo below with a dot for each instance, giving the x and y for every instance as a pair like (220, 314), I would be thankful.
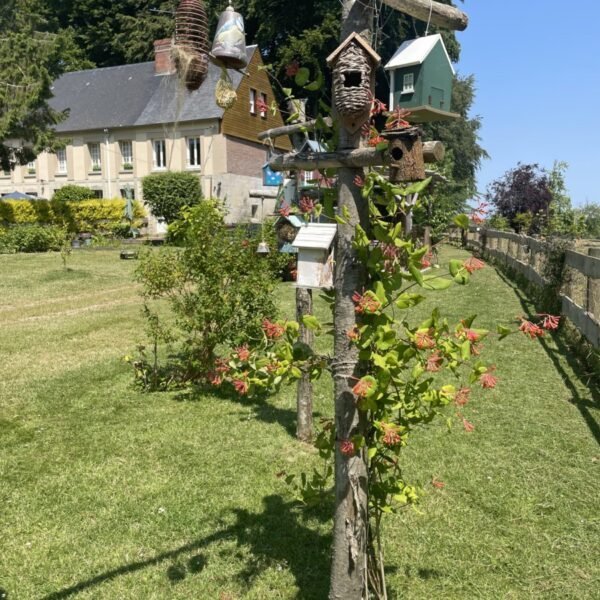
(354, 64)
(421, 76)
(229, 45)
(270, 177)
(315, 255)
(406, 154)
(190, 51)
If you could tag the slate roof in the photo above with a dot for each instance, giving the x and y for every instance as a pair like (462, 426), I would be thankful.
(414, 52)
(132, 96)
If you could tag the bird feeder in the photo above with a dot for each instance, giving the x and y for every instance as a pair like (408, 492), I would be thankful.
(190, 51)
(229, 45)
(421, 78)
(354, 64)
(270, 177)
(406, 154)
(315, 255)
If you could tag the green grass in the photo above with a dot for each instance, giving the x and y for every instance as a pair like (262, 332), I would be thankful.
(109, 493)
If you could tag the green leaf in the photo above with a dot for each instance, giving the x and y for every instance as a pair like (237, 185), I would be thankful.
(302, 77)
(287, 92)
(416, 273)
(417, 187)
(436, 283)
(311, 322)
(340, 220)
(407, 300)
(316, 85)
(380, 292)
(382, 146)
(461, 221)
(455, 267)
(372, 452)
(504, 331)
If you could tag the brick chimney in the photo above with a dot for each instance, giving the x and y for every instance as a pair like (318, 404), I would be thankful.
(163, 65)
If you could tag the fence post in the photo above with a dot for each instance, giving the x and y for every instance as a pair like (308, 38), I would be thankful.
(593, 289)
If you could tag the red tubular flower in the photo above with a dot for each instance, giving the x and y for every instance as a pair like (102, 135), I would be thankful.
(285, 211)
(470, 335)
(241, 386)
(353, 334)
(306, 204)
(473, 264)
(397, 120)
(272, 330)
(243, 352)
(221, 366)
(214, 378)
(347, 447)
(359, 181)
(487, 380)
(531, 329)
(374, 140)
(468, 426)
(391, 437)
(362, 388)
(292, 69)
(426, 260)
(550, 322)
(424, 341)
(434, 362)
(365, 303)
(462, 396)
(378, 107)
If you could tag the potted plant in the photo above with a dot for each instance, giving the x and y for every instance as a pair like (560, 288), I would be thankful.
(96, 168)
(127, 167)
(31, 171)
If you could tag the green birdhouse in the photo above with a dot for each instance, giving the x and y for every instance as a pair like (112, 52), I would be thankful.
(421, 76)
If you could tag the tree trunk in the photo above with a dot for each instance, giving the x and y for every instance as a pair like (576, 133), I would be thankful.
(304, 394)
(348, 570)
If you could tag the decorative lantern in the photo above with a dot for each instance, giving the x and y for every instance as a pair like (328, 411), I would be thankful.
(315, 255)
(229, 46)
(406, 154)
(354, 64)
(263, 249)
(190, 52)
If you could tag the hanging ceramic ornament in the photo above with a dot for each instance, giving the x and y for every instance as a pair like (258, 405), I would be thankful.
(229, 46)
(190, 51)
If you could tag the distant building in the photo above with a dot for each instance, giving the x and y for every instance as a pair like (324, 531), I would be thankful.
(126, 122)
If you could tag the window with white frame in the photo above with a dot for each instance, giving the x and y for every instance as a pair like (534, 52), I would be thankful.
(95, 157)
(126, 148)
(160, 154)
(252, 101)
(263, 105)
(61, 160)
(193, 152)
(408, 83)
(31, 167)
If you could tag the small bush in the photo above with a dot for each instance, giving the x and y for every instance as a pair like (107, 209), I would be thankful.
(72, 193)
(168, 193)
(31, 238)
(17, 212)
(93, 215)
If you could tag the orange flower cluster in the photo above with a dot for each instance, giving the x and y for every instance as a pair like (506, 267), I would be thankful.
(272, 330)
(365, 303)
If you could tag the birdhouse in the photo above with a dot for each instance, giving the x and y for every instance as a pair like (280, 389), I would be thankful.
(315, 255)
(190, 51)
(354, 64)
(406, 154)
(270, 177)
(229, 46)
(421, 76)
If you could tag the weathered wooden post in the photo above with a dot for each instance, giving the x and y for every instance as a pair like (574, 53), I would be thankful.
(593, 289)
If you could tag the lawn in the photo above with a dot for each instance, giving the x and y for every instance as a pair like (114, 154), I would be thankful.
(110, 493)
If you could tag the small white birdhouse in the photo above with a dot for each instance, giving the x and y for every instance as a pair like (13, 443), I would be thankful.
(315, 255)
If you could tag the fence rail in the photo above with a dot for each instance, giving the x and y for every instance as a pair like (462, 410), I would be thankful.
(580, 294)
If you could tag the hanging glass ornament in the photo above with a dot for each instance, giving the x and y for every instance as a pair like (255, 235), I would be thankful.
(190, 51)
(229, 46)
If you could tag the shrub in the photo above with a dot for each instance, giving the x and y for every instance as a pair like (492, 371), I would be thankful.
(219, 290)
(31, 238)
(16, 212)
(72, 193)
(168, 193)
(93, 215)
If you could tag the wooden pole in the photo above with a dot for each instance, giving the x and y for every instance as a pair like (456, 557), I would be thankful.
(353, 158)
(442, 15)
(304, 392)
(307, 126)
(349, 556)
(593, 290)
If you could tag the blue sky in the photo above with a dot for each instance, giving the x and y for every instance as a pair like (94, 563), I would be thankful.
(537, 75)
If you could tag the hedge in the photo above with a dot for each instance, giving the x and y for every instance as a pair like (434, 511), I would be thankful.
(83, 215)
(167, 193)
(31, 238)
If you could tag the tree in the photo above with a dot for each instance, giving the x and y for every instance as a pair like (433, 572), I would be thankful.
(168, 193)
(526, 189)
(30, 59)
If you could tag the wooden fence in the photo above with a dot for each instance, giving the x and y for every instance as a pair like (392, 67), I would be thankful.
(527, 256)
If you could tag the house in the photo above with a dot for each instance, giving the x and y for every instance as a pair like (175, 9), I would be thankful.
(128, 121)
(421, 76)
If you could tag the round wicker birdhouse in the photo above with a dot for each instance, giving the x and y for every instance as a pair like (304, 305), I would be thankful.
(354, 64)
(191, 43)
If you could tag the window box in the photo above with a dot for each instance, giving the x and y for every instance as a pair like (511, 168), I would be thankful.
(127, 167)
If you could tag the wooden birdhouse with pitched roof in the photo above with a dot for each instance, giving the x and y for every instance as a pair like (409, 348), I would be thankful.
(314, 243)
(421, 76)
(354, 64)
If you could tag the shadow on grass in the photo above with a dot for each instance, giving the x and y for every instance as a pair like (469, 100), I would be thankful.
(256, 408)
(276, 538)
(565, 353)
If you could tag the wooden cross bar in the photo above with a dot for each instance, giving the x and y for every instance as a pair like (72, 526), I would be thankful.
(439, 14)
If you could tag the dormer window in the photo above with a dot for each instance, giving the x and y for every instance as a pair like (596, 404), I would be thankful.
(408, 83)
